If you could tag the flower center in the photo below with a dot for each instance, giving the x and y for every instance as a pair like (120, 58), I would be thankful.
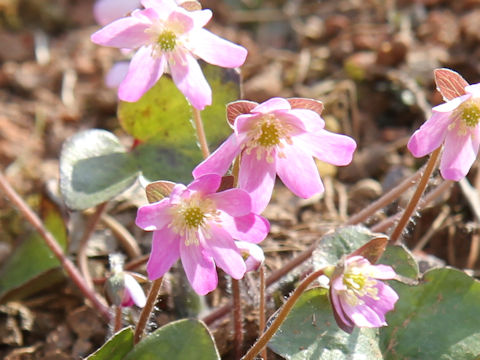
(359, 285)
(470, 113)
(167, 40)
(192, 216)
(268, 135)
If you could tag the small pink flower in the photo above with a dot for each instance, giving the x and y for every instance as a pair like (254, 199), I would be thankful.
(199, 225)
(358, 298)
(168, 37)
(454, 124)
(252, 253)
(278, 138)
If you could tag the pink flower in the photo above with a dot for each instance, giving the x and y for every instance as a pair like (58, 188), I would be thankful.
(199, 225)
(168, 37)
(252, 253)
(357, 297)
(454, 124)
(278, 138)
(121, 288)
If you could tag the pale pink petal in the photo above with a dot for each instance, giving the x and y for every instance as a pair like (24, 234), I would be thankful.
(221, 247)
(251, 228)
(215, 50)
(246, 122)
(299, 172)
(163, 7)
(180, 21)
(473, 89)
(143, 73)
(135, 291)
(220, 160)
(431, 134)
(188, 77)
(235, 202)
(206, 184)
(201, 17)
(154, 216)
(126, 32)
(385, 301)
(199, 268)
(272, 105)
(332, 148)
(257, 177)
(254, 254)
(383, 272)
(458, 155)
(165, 251)
(451, 105)
(117, 73)
(312, 122)
(106, 11)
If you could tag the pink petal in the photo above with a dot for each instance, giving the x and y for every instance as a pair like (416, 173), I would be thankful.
(255, 255)
(251, 228)
(246, 122)
(199, 268)
(340, 317)
(180, 21)
(312, 122)
(143, 73)
(235, 202)
(362, 315)
(272, 105)
(117, 73)
(451, 105)
(226, 255)
(206, 184)
(215, 50)
(473, 89)
(201, 17)
(459, 153)
(188, 77)
(220, 160)
(431, 134)
(165, 251)
(383, 272)
(106, 11)
(135, 291)
(387, 298)
(299, 172)
(126, 32)
(332, 148)
(153, 216)
(162, 7)
(257, 177)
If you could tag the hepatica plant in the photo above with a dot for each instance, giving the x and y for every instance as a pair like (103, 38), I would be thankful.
(371, 302)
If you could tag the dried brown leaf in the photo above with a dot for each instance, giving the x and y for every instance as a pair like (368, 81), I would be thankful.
(449, 83)
(237, 108)
(310, 104)
(158, 190)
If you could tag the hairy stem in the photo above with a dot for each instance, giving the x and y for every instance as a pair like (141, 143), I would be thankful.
(282, 315)
(202, 139)
(50, 241)
(262, 310)
(118, 319)
(432, 161)
(237, 319)
(147, 310)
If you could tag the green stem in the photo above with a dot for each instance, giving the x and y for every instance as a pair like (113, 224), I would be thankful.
(416, 196)
(202, 139)
(56, 249)
(147, 310)
(282, 315)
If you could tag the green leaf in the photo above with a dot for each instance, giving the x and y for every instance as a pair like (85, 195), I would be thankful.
(438, 319)
(116, 347)
(94, 167)
(162, 121)
(179, 340)
(32, 266)
(342, 242)
(310, 332)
